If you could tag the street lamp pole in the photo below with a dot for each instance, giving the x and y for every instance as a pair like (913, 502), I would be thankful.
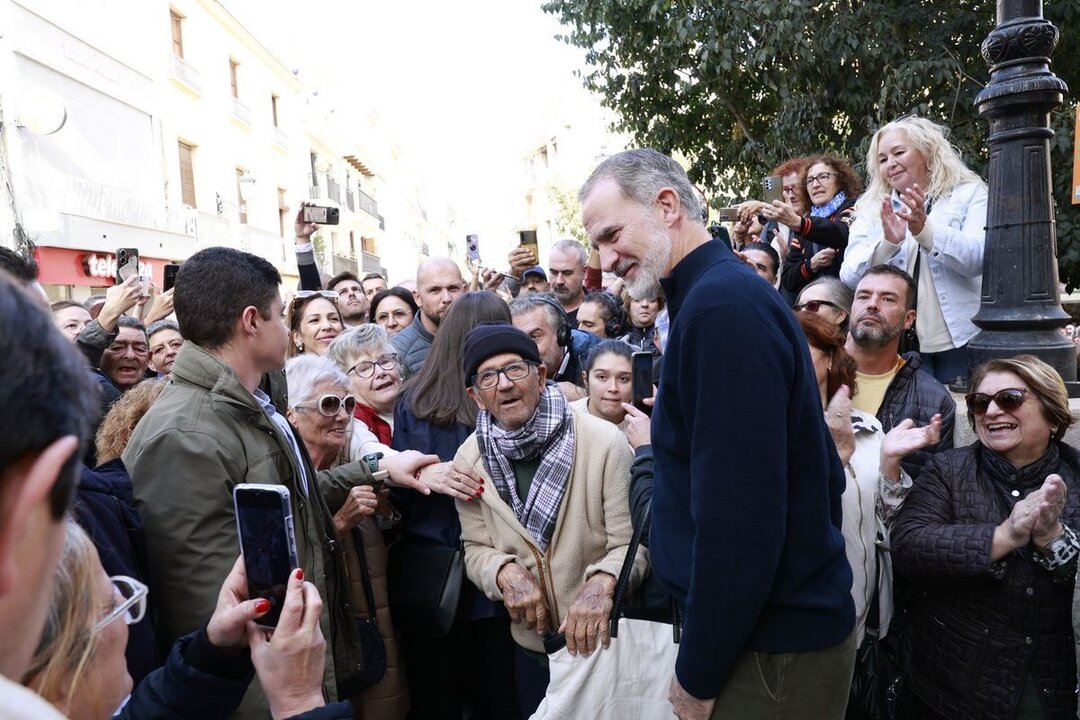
(1021, 306)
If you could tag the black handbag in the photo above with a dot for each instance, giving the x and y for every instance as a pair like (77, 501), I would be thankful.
(371, 642)
(425, 586)
(876, 681)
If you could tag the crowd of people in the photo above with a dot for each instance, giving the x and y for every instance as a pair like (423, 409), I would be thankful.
(473, 491)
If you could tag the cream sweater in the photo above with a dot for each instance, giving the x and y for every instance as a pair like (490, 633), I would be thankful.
(591, 534)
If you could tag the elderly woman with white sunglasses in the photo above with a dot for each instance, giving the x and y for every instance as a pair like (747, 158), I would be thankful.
(79, 664)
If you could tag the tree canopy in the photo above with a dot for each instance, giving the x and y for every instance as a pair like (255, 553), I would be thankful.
(736, 87)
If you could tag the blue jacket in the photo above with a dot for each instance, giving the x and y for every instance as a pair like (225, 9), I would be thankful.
(413, 345)
(746, 496)
(433, 518)
(105, 509)
(200, 681)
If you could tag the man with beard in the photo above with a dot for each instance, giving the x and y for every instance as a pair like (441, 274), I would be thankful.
(891, 387)
(438, 284)
(748, 542)
(352, 300)
(566, 269)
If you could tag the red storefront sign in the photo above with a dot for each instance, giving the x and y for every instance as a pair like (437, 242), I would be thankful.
(64, 266)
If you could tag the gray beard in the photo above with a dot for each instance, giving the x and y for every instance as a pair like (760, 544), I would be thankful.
(873, 338)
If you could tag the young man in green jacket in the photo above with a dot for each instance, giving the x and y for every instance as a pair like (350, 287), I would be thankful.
(213, 428)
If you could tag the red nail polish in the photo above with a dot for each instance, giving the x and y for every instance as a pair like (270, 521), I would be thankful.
(299, 573)
(262, 606)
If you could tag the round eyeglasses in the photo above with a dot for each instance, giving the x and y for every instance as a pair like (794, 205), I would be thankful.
(514, 371)
(366, 368)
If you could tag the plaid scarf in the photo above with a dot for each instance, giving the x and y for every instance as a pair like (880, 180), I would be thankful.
(549, 433)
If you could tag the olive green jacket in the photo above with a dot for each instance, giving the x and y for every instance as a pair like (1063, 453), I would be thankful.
(205, 434)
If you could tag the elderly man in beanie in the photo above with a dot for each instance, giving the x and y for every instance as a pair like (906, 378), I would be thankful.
(554, 476)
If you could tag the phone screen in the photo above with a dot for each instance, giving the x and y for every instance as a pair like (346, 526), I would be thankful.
(127, 263)
(170, 275)
(315, 214)
(641, 382)
(264, 519)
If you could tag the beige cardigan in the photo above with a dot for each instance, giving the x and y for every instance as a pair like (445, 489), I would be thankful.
(591, 534)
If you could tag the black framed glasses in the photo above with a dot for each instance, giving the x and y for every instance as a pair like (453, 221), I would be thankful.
(821, 178)
(1009, 399)
(514, 371)
(131, 601)
(330, 405)
(366, 368)
(815, 305)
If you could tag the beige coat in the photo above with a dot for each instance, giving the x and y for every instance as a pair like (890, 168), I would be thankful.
(591, 534)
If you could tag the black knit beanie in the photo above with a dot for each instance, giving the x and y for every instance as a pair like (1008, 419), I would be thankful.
(494, 338)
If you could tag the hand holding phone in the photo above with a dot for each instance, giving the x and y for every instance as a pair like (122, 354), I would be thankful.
(641, 380)
(127, 263)
(267, 541)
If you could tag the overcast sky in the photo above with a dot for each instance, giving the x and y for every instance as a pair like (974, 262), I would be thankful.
(463, 86)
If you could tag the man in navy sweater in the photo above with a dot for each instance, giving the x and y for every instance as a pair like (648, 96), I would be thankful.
(746, 499)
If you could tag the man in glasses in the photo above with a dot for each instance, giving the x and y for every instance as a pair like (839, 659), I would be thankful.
(748, 542)
(212, 428)
(891, 387)
(549, 467)
(49, 403)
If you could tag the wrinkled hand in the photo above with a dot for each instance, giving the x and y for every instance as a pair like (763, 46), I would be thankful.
(782, 212)
(227, 629)
(587, 619)
(403, 468)
(822, 259)
(686, 706)
(838, 420)
(638, 425)
(748, 210)
(359, 504)
(521, 259)
(457, 481)
(160, 307)
(304, 230)
(289, 660)
(1048, 526)
(522, 597)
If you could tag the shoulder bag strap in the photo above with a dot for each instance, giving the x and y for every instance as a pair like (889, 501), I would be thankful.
(623, 584)
(365, 575)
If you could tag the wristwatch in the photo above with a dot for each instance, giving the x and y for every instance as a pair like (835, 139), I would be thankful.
(372, 460)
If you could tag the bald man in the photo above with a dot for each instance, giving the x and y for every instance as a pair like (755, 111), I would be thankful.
(438, 284)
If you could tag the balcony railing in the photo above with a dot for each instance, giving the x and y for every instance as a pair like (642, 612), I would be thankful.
(333, 190)
(350, 202)
(372, 263)
(241, 112)
(186, 73)
(342, 264)
(367, 204)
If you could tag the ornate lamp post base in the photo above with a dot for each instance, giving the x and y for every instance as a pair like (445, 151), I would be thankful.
(1021, 306)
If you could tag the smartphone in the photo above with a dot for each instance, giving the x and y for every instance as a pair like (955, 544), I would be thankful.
(774, 188)
(641, 380)
(265, 524)
(727, 214)
(472, 249)
(321, 214)
(127, 263)
(528, 240)
(170, 275)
